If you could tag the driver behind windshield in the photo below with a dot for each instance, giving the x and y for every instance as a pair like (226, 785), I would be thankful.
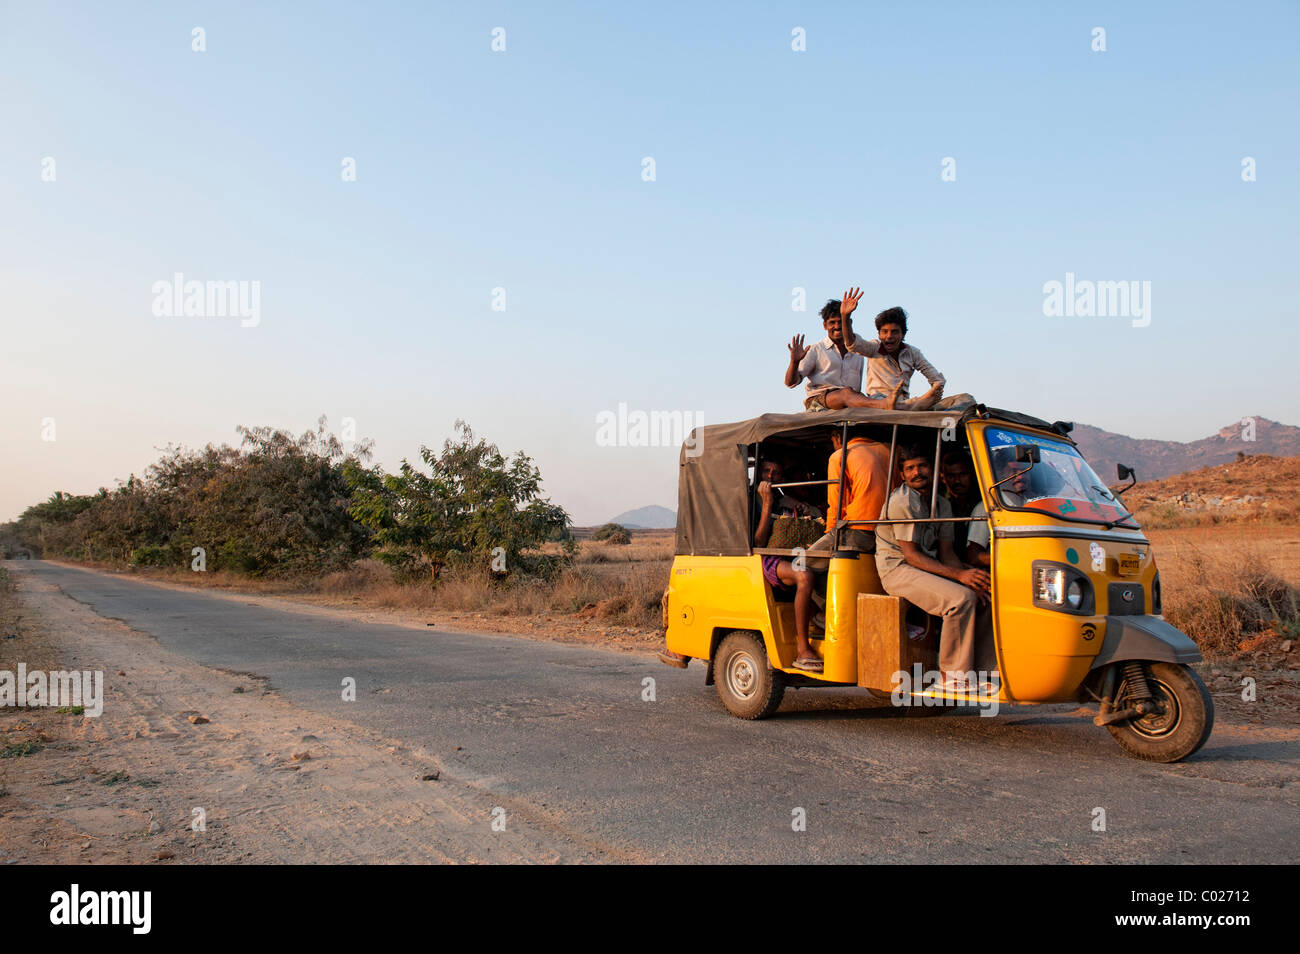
(1015, 491)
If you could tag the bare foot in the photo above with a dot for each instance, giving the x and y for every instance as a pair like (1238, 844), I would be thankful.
(927, 400)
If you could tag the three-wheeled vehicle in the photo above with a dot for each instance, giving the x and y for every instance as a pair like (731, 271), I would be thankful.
(1076, 612)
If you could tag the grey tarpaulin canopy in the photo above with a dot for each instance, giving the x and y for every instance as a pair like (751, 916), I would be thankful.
(713, 478)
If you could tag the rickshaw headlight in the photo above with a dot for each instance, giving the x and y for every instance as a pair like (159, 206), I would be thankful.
(1061, 588)
(1049, 585)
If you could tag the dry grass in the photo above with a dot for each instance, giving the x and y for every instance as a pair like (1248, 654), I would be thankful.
(619, 584)
(1230, 594)
(1165, 515)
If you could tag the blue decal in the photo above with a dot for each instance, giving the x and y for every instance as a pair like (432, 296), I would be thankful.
(1072, 555)
(1067, 507)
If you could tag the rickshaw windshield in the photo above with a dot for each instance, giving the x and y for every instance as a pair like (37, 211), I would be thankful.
(1061, 483)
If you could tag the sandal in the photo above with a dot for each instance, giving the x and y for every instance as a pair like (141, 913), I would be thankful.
(809, 665)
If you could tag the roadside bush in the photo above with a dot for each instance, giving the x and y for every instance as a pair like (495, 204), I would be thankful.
(152, 555)
(612, 533)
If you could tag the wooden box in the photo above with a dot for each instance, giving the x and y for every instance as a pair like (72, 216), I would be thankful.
(883, 646)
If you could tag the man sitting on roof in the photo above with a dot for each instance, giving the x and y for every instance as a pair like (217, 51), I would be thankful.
(834, 373)
(891, 363)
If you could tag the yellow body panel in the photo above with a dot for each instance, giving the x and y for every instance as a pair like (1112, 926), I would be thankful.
(839, 650)
(709, 593)
(1043, 655)
(710, 596)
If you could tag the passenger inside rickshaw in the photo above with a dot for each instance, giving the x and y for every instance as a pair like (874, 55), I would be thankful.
(787, 573)
(786, 528)
(970, 539)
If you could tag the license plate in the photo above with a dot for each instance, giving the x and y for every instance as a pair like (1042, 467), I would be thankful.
(1129, 564)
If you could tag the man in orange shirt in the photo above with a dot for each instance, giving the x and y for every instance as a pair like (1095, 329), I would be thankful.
(866, 485)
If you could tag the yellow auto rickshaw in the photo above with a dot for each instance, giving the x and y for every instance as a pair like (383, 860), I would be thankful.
(1076, 602)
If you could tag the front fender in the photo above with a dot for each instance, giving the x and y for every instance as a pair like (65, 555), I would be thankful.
(1144, 637)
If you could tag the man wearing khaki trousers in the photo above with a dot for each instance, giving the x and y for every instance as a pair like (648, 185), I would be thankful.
(916, 562)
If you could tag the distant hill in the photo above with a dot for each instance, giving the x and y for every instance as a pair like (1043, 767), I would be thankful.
(1246, 489)
(1154, 459)
(647, 518)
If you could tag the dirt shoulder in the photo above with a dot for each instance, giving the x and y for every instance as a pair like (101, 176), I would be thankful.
(273, 783)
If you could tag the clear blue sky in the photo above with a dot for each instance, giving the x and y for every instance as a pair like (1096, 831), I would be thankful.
(522, 169)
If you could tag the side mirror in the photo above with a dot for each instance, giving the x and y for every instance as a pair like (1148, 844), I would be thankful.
(1125, 472)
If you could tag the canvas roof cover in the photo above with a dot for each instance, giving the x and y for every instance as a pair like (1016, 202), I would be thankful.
(713, 478)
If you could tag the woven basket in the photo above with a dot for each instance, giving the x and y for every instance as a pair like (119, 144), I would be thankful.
(789, 532)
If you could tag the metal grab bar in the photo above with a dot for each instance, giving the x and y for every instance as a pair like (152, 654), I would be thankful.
(868, 523)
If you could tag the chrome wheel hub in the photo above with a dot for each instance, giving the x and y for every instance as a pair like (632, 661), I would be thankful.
(742, 676)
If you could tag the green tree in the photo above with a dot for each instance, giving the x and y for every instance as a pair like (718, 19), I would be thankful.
(474, 506)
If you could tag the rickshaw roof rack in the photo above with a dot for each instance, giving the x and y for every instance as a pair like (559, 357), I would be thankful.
(808, 423)
(713, 487)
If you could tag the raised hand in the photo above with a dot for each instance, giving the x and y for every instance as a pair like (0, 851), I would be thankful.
(849, 302)
(797, 349)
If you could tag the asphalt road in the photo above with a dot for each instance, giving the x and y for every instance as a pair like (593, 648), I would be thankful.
(563, 736)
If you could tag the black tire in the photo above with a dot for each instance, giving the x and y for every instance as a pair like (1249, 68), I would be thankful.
(1182, 729)
(747, 684)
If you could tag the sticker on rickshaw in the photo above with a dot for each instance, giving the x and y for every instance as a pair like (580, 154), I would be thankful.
(1098, 554)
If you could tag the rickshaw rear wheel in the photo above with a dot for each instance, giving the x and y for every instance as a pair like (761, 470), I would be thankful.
(1184, 725)
(747, 684)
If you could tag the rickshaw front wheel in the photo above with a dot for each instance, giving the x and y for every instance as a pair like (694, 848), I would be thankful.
(747, 684)
(1183, 725)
